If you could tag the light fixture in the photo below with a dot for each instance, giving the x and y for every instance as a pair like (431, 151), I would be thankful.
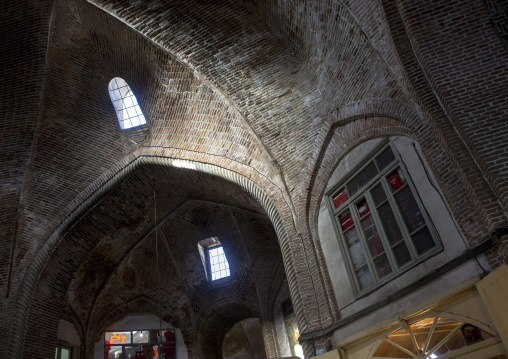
(433, 356)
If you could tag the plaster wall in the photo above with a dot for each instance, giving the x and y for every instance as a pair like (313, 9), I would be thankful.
(447, 231)
(67, 333)
(280, 327)
(138, 322)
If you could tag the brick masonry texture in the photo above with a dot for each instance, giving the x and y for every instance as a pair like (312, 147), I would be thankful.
(114, 264)
(276, 92)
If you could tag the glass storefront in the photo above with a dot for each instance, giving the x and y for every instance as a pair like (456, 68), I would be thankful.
(138, 344)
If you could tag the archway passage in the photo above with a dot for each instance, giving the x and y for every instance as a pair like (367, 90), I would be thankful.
(244, 340)
(105, 267)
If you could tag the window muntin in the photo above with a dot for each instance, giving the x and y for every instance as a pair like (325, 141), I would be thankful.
(430, 338)
(126, 105)
(219, 266)
(214, 259)
(381, 224)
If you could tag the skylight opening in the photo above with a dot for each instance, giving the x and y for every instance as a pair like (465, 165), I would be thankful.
(126, 105)
(219, 265)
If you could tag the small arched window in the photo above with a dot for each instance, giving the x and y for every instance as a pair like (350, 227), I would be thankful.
(127, 109)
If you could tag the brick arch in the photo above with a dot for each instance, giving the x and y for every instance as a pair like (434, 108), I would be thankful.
(234, 52)
(211, 334)
(140, 305)
(78, 120)
(361, 114)
(69, 315)
(148, 306)
(463, 123)
(443, 166)
(352, 133)
(245, 66)
(344, 139)
(378, 107)
(270, 199)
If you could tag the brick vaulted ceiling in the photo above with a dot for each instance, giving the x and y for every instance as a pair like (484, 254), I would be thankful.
(274, 91)
(105, 265)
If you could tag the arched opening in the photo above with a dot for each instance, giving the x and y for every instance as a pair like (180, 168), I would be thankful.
(126, 105)
(244, 341)
(434, 337)
(68, 341)
(141, 336)
(381, 219)
(129, 238)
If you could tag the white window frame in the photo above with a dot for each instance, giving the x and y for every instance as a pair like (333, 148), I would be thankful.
(364, 193)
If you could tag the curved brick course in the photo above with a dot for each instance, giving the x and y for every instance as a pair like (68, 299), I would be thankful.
(265, 98)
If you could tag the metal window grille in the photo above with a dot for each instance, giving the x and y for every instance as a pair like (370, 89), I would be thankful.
(219, 266)
(126, 105)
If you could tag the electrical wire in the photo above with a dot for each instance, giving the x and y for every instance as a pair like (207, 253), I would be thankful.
(157, 259)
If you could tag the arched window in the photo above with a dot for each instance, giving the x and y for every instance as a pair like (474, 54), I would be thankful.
(431, 338)
(127, 109)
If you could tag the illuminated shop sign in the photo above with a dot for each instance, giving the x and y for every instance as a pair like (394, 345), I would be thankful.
(117, 337)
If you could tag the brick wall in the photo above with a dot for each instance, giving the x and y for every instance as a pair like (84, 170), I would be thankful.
(276, 92)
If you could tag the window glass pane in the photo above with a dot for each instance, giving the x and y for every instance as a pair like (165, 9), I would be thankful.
(219, 265)
(421, 331)
(373, 241)
(56, 353)
(65, 353)
(135, 121)
(378, 194)
(382, 266)
(131, 112)
(423, 240)
(127, 101)
(403, 338)
(118, 337)
(455, 342)
(387, 350)
(346, 221)
(355, 248)
(115, 95)
(130, 352)
(390, 225)
(363, 208)
(443, 327)
(140, 336)
(361, 179)
(396, 180)
(364, 277)
(340, 198)
(409, 209)
(115, 352)
(385, 158)
(401, 253)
